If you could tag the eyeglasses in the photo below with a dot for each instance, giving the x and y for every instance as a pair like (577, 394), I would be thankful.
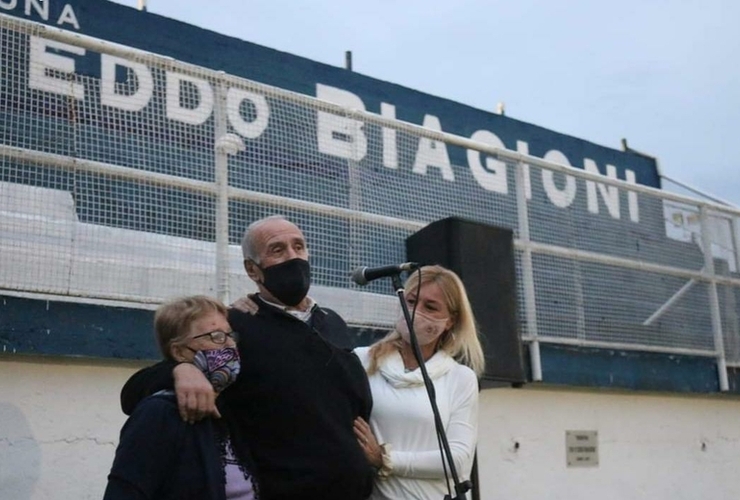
(218, 337)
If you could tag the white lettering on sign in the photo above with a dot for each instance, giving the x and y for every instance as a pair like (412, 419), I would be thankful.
(190, 100)
(109, 96)
(196, 115)
(39, 60)
(431, 153)
(40, 9)
(609, 194)
(249, 129)
(338, 135)
(561, 198)
(492, 177)
(390, 152)
(68, 17)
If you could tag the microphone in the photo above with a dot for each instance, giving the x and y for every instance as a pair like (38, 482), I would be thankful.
(364, 275)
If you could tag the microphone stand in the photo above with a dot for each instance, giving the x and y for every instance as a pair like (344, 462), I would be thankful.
(460, 488)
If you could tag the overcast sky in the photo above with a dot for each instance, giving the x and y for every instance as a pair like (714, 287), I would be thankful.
(665, 74)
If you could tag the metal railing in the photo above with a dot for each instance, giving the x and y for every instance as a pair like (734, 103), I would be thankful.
(599, 270)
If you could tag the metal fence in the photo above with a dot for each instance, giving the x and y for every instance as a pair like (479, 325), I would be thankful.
(129, 177)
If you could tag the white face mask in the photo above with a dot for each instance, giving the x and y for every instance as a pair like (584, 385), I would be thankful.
(427, 329)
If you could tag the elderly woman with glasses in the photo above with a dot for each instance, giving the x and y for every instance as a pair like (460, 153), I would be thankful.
(159, 455)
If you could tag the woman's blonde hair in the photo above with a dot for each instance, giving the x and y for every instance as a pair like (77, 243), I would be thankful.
(460, 341)
(173, 320)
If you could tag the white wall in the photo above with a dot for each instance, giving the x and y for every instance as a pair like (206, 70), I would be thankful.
(650, 445)
(59, 425)
(60, 418)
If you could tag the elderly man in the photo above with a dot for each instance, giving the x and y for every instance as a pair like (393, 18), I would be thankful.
(297, 394)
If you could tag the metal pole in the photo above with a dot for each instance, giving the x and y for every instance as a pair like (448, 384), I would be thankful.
(732, 327)
(714, 301)
(735, 230)
(698, 191)
(530, 304)
(222, 194)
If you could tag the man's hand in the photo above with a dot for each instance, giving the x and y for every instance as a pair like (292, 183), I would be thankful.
(246, 305)
(365, 437)
(196, 398)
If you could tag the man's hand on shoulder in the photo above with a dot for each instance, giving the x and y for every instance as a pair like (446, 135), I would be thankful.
(196, 398)
(246, 305)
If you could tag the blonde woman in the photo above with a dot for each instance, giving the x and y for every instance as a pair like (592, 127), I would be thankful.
(400, 440)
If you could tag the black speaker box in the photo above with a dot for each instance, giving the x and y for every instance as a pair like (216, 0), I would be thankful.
(483, 257)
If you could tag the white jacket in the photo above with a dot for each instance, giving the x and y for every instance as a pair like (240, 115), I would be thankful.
(402, 418)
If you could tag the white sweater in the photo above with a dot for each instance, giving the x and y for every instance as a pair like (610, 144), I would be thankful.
(402, 417)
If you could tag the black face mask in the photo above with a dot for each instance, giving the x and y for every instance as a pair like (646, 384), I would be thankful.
(288, 281)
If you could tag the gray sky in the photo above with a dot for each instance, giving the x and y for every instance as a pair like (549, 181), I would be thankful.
(665, 74)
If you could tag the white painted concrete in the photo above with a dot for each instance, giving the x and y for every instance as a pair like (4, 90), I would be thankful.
(60, 419)
(44, 248)
(59, 425)
(651, 446)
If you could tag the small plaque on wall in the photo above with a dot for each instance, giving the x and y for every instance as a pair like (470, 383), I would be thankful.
(582, 448)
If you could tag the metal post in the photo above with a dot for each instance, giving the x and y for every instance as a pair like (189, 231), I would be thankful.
(222, 194)
(735, 230)
(733, 324)
(530, 305)
(719, 347)
(348, 60)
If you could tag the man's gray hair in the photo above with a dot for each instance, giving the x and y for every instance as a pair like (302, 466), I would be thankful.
(249, 247)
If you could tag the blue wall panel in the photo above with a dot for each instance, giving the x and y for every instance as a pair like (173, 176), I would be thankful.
(66, 328)
(53, 328)
(578, 366)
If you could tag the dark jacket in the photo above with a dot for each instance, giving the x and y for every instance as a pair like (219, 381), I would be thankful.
(294, 401)
(161, 457)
